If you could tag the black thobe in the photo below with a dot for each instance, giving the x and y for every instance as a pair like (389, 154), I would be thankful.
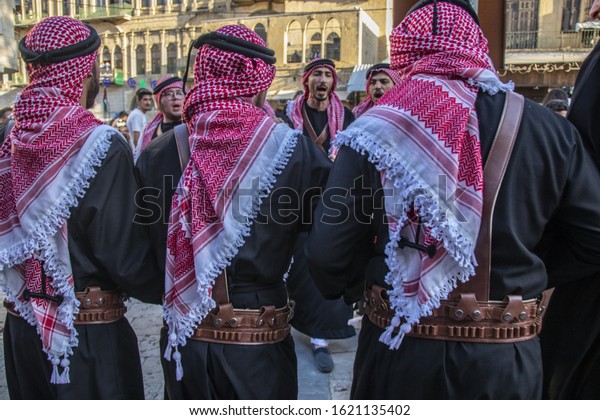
(550, 181)
(255, 277)
(315, 316)
(110, 251)
(571, 336)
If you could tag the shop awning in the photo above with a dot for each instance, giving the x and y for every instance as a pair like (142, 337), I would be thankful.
(358, 78)
(592, 24)
(281, 95)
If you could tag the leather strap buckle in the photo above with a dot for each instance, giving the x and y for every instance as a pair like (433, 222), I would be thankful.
(467, 307)
(225, 315)
(514, 311)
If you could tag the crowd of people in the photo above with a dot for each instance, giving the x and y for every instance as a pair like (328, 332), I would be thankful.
(445, 206)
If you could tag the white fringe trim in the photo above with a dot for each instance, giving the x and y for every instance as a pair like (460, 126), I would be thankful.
(39, 244)
(458, 247)
(180, 328)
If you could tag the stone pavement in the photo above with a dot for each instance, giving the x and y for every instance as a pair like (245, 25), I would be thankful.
(147, 321)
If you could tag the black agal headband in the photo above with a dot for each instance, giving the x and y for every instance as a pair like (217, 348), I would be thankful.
(377, 68)
(464, 4)
(318, 63)
(58, 55)
(164, 84)
(233, 44)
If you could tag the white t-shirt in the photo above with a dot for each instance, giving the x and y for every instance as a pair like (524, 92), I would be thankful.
(136, 121)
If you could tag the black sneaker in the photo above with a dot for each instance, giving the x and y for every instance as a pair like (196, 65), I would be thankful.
(323, 360)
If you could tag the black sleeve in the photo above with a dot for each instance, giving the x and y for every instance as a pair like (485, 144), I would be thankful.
(337, 246)
(105, 216)
(348, 117)
(315, 170)
(158, 170)
(585, 104)
(575, 251)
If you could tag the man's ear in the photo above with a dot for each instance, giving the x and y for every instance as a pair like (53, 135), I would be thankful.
(86, 86)
(259, 99)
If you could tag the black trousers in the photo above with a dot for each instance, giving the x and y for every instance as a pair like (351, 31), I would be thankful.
(232, 371)
(105, 365)
(437, 369)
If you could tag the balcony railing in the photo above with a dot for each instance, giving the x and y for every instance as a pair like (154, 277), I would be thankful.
(553, 40)
(89, 13)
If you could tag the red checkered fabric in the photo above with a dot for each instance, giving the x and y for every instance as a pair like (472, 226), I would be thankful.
(367, 103)
(335, 109)
(458, 47)
(51, 128)
(226, 134)
(151, 127)
(423, 135)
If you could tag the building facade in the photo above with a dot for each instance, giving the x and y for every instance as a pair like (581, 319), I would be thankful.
(545, 40)
(144, 39)
(8, 45)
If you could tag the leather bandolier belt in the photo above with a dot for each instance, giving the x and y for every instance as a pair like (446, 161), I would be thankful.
(95, 306)
(467, 319)
(227, 325)
(468, 315)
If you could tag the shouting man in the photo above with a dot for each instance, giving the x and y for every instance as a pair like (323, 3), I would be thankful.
(380, 79)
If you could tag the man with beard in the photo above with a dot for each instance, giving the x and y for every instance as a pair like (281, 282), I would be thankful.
(380, 79)
(244, 196)
(168, 95)
(571, 336)
(320, 114)
(459, 255)
(137, 118)
(69, 252)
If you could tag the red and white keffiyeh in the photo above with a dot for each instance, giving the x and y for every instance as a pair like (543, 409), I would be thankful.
(335, 109)
(367, 103)
(150, 128)
(46, 164)
(236, 152)
(423, 136)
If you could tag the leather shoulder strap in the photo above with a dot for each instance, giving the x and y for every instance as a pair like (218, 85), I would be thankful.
(182, 139)
(220, 291)
(493, 173)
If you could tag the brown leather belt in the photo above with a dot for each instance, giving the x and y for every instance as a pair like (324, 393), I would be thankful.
(467, 319)
(96, 306)
(227, 325)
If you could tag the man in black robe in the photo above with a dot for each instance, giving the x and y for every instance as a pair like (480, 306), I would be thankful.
(547, 200)
(168, 96)
(319, 113)
(255, 264)
(571, 335)
(71, 254)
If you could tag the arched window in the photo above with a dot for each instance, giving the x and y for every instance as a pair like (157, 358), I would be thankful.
(294, 42)
(140, 59)
(118, 58)
(105, 55)
(314, 40)
(333, 40)
(172, 58)
(155, 57)
(332, 47)
(261, 31)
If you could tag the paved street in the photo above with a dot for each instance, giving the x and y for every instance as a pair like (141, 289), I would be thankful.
(313, 385)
